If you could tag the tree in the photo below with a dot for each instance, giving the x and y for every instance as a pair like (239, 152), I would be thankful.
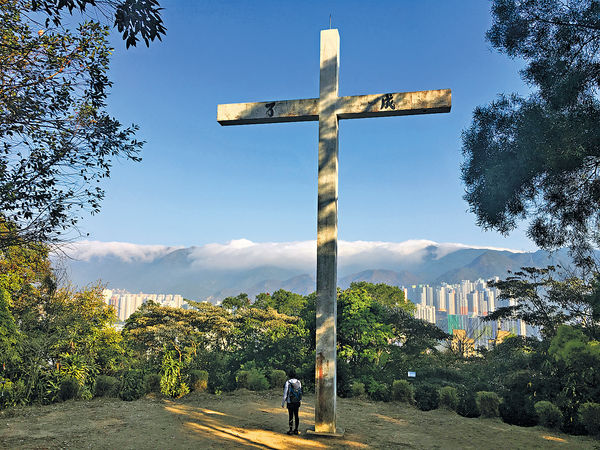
(269, 339)
(57, 142)
(385, 294)
(236, 304)
(362, 335)
(9, 335)
(538, 157)
(369, 330)
(153, 329)
(543, 299)
(284, 302)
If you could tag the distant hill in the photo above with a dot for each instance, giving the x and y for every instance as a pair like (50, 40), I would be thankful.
(216, 271)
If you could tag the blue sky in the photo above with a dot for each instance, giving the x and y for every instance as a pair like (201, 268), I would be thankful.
(200, 183)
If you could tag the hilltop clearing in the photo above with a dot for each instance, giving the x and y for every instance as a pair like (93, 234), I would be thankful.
(256, 420)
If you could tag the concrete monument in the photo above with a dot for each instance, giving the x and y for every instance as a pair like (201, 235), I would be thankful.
(328, 109)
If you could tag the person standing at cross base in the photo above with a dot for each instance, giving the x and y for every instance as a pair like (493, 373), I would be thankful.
(292, 396)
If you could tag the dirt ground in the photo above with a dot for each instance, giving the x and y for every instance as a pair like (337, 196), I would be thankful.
(246, 419)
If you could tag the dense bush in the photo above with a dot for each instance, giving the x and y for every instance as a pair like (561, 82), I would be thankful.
(517, 405)
(344, 378)
(516, 409)
(152, 383)
(589, 415)
(221, 376)
(378, 391)
(277, 378)
(548, 414)
(241, 379)
(199, 380)
(449, 397)
(467, 405)
(487, 403)
(12, 394)
(106, 386)
(69, 389)
(132, 385)
(257, 381)
(403, 391)
(427, 397)
(357, 389)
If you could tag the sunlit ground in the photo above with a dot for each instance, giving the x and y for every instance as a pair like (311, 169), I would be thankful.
(246, 419)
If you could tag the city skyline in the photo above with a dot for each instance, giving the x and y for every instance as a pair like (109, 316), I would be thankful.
(453, 307)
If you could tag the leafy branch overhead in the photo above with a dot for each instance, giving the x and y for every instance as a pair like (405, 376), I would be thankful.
(57, 142)
(132, 18)
(547, 299)
(538, 157)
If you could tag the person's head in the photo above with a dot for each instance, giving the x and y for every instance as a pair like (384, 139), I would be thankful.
(292, 373)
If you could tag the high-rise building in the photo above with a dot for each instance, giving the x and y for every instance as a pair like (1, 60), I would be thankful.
(126, 303)
(426, 313)
(451, 301)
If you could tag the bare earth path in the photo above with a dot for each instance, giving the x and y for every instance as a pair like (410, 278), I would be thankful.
(246, 419)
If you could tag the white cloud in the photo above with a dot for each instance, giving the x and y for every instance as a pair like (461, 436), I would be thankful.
(86, 250)
(245, 254)
(242, 253)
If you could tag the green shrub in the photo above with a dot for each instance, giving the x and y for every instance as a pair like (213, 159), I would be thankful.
(172, 386)
(487, 403)
(517, 409)
(69, 389)
(548, 414)
(589, 415)
(467, 405)
(449, 398)
(152, 383)
(175, 390)
(257, 381)
(427, 397)
(378, 391)
(241, 379)
(344, 377)
(132, 385)
(12, 394)
(106, 386)
(403, 391)
(277, 379)
(171, 382)
(221, 376)
(517, 405)
(357, 389)
(199, 380)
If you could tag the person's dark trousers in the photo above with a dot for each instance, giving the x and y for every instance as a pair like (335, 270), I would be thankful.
(293, 414)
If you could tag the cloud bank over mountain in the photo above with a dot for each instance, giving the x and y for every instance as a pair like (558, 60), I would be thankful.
(125, 251)
(245, 254)
(214, 271)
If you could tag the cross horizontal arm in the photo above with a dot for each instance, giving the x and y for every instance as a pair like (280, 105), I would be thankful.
(268, 112)
(395, 104)
(352, 107)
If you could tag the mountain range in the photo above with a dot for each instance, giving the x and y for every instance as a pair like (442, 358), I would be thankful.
(215, 271)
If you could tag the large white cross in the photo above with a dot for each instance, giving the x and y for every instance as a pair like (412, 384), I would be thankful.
(328, 109)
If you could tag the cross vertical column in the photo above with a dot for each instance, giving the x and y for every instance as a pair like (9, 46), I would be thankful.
(326, 302)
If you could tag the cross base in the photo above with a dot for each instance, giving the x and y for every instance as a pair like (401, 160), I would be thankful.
(339, 432)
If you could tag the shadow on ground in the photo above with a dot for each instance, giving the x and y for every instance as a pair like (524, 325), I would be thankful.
(245, 419)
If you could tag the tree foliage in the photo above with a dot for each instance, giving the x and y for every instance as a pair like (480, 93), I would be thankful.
(538, 157)
(542, 298)
(57, 142)
(132, 18)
